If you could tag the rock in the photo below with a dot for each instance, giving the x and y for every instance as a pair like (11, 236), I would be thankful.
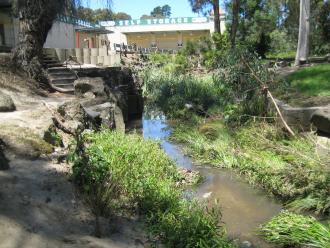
(246, 244)
(72, 110)
(6, 103)
(321, 119)
(4, 162)
(89, 95)
(24, 142)
(119, 120)
(101, 115)
(88, 84)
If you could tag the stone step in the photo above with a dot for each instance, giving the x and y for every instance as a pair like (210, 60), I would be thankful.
(54, 65)
(49, 62)
(63, 90)
(62, 81)
(64, 86)
(61, 69)
(65, 75)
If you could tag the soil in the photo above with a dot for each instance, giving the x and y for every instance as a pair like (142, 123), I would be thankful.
(39, 205)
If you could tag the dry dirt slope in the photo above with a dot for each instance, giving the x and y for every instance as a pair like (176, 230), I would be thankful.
(39, 206)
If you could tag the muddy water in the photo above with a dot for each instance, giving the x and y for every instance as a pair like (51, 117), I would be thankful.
(243, 207)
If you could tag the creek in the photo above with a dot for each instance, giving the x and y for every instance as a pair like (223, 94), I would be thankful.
(243, 207)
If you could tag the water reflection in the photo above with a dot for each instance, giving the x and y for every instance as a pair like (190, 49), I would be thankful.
(243, 207)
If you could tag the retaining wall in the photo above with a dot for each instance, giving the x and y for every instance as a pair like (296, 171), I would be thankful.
(93, 56)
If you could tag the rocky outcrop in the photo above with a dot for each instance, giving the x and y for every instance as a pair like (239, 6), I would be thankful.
(321, 120)
(299, 117)
(89, 85)
(121, 86)
(6, 103)
(4, 162)
(22, 141)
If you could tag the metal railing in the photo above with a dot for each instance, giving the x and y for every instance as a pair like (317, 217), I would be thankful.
(130, 49)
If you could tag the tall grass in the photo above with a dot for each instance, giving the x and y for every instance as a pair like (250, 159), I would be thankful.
(144, 180)
(292, 229)
(173, 92)
(261, 152)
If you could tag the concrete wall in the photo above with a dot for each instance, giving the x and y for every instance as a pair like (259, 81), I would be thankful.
(94, 56)
(62, 35)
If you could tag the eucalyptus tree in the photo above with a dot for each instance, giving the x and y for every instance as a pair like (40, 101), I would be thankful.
(199, 6)
(36, 18)
(304, 30)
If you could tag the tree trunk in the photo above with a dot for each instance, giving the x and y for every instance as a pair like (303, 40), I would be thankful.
(234, 26)
(216, 10)
(304, 28)
(36, 18)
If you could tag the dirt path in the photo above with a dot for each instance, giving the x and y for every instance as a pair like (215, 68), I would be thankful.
(38, 204)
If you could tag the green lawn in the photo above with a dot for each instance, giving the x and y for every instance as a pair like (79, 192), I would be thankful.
(312, 81)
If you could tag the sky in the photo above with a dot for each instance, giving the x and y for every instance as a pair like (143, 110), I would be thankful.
(136, 8)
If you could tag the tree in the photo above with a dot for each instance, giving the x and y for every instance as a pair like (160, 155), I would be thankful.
(122, 16)
(161, 12)
(204, 5)
(167, 10)
(143, 17)
(235, 21)
(304, 30)
(36, 18)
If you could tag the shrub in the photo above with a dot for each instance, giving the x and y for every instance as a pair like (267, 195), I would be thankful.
(293, 229)
(144, 179)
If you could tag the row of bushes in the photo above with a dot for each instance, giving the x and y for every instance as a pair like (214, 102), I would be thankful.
(127, 174)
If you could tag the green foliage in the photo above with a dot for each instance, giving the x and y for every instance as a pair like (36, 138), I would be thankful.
(287, 168)
(233, 88)
(171, 92)
(214, 49)
(292, 229)
(312, 81)
(144, 179)
(97, 15)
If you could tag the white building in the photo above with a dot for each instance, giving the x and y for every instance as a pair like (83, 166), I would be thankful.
(163, 33)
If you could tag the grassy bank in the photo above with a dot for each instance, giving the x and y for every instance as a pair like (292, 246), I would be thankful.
(312, 81)
(289, 229)
(262, 153)
(127, 174)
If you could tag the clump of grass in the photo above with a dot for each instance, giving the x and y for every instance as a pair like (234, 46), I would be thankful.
(292, 229)
(144, 180)
(285, 167)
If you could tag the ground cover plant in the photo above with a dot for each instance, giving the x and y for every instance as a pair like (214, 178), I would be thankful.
(291, 229)
(136, 176)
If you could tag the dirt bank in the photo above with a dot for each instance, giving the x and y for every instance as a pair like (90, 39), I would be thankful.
(39, 206)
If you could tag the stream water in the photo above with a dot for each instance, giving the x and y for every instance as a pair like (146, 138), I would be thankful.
(243, 207)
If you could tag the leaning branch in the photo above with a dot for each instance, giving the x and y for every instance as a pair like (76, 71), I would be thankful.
(265, 87)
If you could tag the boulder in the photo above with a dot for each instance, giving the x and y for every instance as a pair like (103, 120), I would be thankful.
(24, 142)
(321, 119)
(4, 162)
(87, 84)
(101, 115)
(6, 103)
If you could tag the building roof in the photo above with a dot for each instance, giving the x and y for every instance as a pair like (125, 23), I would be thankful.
(93, 30)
